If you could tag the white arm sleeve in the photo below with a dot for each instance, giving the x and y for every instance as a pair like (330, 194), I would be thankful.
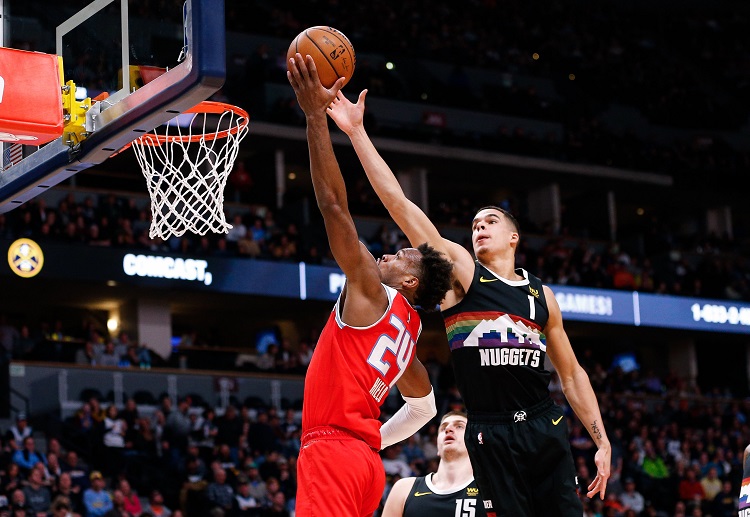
(408, 419)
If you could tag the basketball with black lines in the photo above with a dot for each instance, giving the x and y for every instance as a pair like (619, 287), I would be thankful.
(330, 49)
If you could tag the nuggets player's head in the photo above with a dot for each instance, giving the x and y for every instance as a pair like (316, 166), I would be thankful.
(494, 230)
(450, 440)
(423, 275)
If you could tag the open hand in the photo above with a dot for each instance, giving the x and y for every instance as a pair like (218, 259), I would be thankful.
(312, 96)
(346, 115)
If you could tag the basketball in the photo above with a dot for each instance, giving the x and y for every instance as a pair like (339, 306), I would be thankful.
(330, 49)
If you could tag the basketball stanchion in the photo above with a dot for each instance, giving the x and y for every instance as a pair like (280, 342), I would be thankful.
(186, 163)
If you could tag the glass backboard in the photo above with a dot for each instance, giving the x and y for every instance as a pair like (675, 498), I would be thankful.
(141, 62)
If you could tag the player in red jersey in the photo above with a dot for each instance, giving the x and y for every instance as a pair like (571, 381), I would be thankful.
(368, 343)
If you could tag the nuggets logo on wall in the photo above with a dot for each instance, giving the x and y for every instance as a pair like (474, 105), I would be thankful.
(25, 258)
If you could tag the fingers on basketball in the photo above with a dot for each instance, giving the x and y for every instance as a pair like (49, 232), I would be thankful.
(330, 50)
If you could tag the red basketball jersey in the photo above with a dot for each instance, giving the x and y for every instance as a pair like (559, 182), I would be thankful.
(353, 368)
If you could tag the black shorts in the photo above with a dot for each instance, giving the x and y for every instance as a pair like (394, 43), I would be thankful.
(522, 462)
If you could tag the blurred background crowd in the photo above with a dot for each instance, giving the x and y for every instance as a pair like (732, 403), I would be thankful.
(638, 87)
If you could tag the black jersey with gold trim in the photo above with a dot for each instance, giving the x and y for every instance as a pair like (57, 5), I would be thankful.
(497, 342)
(424, 500)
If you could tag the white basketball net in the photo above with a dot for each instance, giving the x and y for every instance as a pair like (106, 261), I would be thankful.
(186, 178)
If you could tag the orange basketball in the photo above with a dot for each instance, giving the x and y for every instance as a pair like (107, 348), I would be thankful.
(330, 49)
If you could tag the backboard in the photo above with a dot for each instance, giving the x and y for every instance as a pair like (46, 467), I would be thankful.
(97, 41)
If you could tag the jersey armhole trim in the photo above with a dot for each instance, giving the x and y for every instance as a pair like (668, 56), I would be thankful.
(389, 291)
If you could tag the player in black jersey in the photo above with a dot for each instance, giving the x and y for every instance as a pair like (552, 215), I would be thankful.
(449, 492)
(743, 505)
(501, 323)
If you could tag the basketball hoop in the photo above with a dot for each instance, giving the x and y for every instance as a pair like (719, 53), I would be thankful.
(186, 163)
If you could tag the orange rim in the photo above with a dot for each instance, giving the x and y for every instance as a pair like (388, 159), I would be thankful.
(213, 107)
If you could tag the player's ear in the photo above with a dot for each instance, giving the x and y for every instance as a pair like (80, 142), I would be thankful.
(410, 283)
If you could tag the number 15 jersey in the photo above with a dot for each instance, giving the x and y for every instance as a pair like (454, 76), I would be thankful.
(353, 368)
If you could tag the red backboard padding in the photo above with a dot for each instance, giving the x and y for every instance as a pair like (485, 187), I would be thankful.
(30, 97)
(149, 73)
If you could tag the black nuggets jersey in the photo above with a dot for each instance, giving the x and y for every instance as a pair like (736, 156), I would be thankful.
(497, 344)
(424, 501)
(744, 499)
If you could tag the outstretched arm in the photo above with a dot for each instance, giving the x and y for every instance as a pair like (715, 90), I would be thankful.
(578, 391)
(415, 224)
(351, 255)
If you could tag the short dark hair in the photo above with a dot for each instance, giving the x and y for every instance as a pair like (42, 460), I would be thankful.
(435, 278)
(507, 214)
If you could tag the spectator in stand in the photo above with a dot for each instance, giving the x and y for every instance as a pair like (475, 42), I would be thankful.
(194, 483)
(272, 488)
(11, 480)
(118, 506)
(257, 487)
(223, 459)
(278, 506)
(248, 247)
(20, 430)
(62, 507)
(283, 356)
(711, 484)
(266, 362)
(287, 481)
(25, 345)
(86, 354)
(8, 336)
(653, 466)
(177, 430)
(156, 506)
(305, 353)
(690, 489)
(131, 503)
(73, 493)
(229, 430)
(291, 424)
(394, 463)
(97, 411)
(244, 504)
(206, 439)
(53, 446)
(98, 343)
(725, 502)
(130, 414)
(108, 357)
(78, 472)
(27, 457)
(38, 497)
(261, 435)
(414, 453)
(115, 429)
(96, 500)
(219, 493)
(51, 472)
(237, 232)
(631, 499)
